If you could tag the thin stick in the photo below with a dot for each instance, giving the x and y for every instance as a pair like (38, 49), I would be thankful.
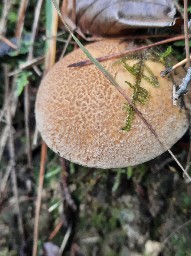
(8, 42)
(6, 105)
(56, 230)
(127, 37)
(179, 8)
(66, 193)
(34, 28)
(3, 138)
(121, 54)
(39, 196)
(27, 127)
(177, 65)
(11, 101)
(51, 44)
(5, 12)
(13, 163)
(183, 87)
(65, 240)
(26, 65)
(21, 17)
(66, 46)
(27, 87)
(5, 179)
(186, 32)
(64, 6)
(189, 151)
(74, 11)
(51, 30)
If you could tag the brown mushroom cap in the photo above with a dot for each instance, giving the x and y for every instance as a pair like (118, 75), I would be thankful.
(80, 115)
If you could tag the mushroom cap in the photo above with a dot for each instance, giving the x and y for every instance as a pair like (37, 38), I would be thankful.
(80, 114)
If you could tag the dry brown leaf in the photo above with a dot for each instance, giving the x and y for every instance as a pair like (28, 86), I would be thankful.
(112, 17)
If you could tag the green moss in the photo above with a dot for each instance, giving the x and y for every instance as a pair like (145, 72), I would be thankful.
(140, 95)
(164, 55)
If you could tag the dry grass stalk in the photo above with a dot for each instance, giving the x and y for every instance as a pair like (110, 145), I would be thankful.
(27, 65)
(20, 20)
(65, 240)
(64, 186)
(186, 32)
(9, 102)
(49, 61)
(12, 162)
(66, 46)
(8, 42)
(39, 197)
(124, 53)
(27, 87)
(5, 12)
(56, 230)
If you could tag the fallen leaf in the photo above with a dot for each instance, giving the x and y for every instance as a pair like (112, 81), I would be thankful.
(112, 17)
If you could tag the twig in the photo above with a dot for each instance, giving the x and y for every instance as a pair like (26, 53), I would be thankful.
(27, 128)
(5, 12)
(34, 28)
(51, 44)
(37, 70)
(11, 102)
(126, 37)
(65, 189)
(170, 69)
(8, 42)
(186, 32)
(3, 139)
(20, 21)
(179, 8)
(35, 137)
(33, 35)
(189, 151)
(45, 37)
(52, 19)
(183, 87)
(5, 179)
(66, 46)
(12, 165)
(39, 197)
(27, 65)
(27, 87)
(74, 11)
(56, 230)
(65, 240)
(64, 7)
(7, 102)
(121, 54)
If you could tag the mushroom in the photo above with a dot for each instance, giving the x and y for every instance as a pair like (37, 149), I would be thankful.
(82, 117)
